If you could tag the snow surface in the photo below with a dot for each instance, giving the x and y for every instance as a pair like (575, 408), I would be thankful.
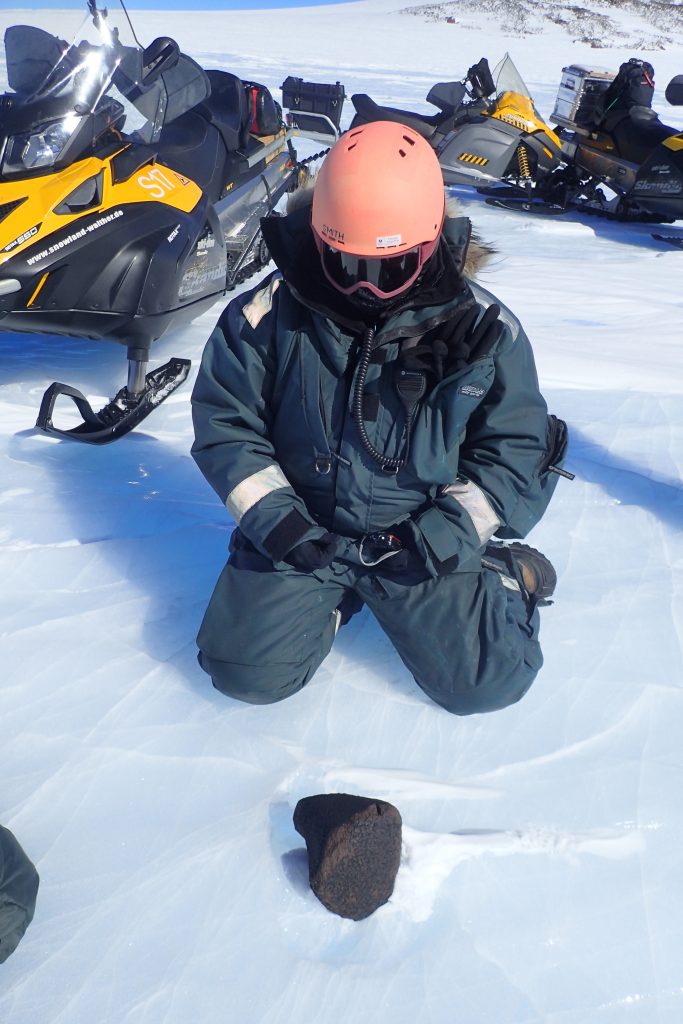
(542, 874)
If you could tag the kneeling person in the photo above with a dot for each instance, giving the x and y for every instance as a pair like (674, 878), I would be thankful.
(371, 418)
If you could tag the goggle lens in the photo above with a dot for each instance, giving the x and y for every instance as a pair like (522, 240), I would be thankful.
(386, 274)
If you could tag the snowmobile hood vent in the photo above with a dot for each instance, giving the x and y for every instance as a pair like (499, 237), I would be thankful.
(7, 208)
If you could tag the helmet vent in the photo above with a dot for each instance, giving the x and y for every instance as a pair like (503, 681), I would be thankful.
(407, 138)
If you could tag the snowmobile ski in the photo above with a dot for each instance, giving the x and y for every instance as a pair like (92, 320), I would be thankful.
(526, 204)
(119, 416)
(675, 240)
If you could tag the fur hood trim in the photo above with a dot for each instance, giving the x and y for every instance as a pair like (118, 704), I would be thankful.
(479, 253)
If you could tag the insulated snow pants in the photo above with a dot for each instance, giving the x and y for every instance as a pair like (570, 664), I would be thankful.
(469, 640)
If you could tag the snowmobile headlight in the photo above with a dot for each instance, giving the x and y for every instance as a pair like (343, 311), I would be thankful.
(41, 148)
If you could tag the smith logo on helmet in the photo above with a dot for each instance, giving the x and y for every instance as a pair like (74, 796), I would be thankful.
(333, 233)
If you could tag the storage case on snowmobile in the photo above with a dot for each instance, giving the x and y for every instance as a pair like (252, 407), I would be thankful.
(264, 112)
(579, 94)
(314, 98)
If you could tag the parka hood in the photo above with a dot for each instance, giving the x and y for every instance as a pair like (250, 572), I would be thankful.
(290, 241)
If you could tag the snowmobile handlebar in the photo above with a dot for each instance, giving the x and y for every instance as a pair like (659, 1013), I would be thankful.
(480, 80)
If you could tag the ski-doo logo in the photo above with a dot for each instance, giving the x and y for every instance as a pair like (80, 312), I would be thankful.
(333, 234)
(471, 389)
(156, 183)
(22, 238)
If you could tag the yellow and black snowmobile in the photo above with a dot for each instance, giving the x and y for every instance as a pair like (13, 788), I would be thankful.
(132, 183)
(487, 132)
(609, 155)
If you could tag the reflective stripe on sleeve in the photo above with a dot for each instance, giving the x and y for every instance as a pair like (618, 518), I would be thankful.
(485, 299)
(261, 303)
(477, 506)
(257, 486)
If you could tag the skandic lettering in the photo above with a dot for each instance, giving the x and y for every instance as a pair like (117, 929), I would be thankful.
(73, 237)
(195, 280)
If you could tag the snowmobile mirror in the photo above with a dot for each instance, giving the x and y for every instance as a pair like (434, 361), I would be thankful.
(674, 91)
(161, 55)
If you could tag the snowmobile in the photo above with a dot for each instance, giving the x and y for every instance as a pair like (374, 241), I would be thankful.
(488, 134)
(620, 160)
(487, 130)
(132, 183)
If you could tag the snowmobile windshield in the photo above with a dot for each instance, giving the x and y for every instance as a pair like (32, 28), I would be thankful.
(508, 79)
(66, 97)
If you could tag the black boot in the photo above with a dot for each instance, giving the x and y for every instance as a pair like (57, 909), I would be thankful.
(538, 574)
(532, 571)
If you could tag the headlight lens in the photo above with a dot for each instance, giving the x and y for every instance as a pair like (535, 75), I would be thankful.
(43, 148)
(34, 150)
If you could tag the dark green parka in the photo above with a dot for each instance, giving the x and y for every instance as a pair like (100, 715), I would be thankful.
(275, 433)
(18, 890)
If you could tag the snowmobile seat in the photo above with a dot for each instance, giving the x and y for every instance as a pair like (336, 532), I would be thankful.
(639, 132)
(227, 108)
(194, 149)
(367, 110)
(447, 96)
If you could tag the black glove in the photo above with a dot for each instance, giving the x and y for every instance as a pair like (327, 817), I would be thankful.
(485, 334)
(455, 344)
(313, 554)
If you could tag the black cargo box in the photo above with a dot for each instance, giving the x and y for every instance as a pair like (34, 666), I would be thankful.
(313, 98)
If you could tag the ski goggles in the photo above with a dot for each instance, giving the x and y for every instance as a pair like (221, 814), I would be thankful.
(384, 276)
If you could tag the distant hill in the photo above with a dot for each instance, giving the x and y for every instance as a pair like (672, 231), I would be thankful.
(638, 24)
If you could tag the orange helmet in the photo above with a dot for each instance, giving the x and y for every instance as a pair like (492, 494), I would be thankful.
(378, 208)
